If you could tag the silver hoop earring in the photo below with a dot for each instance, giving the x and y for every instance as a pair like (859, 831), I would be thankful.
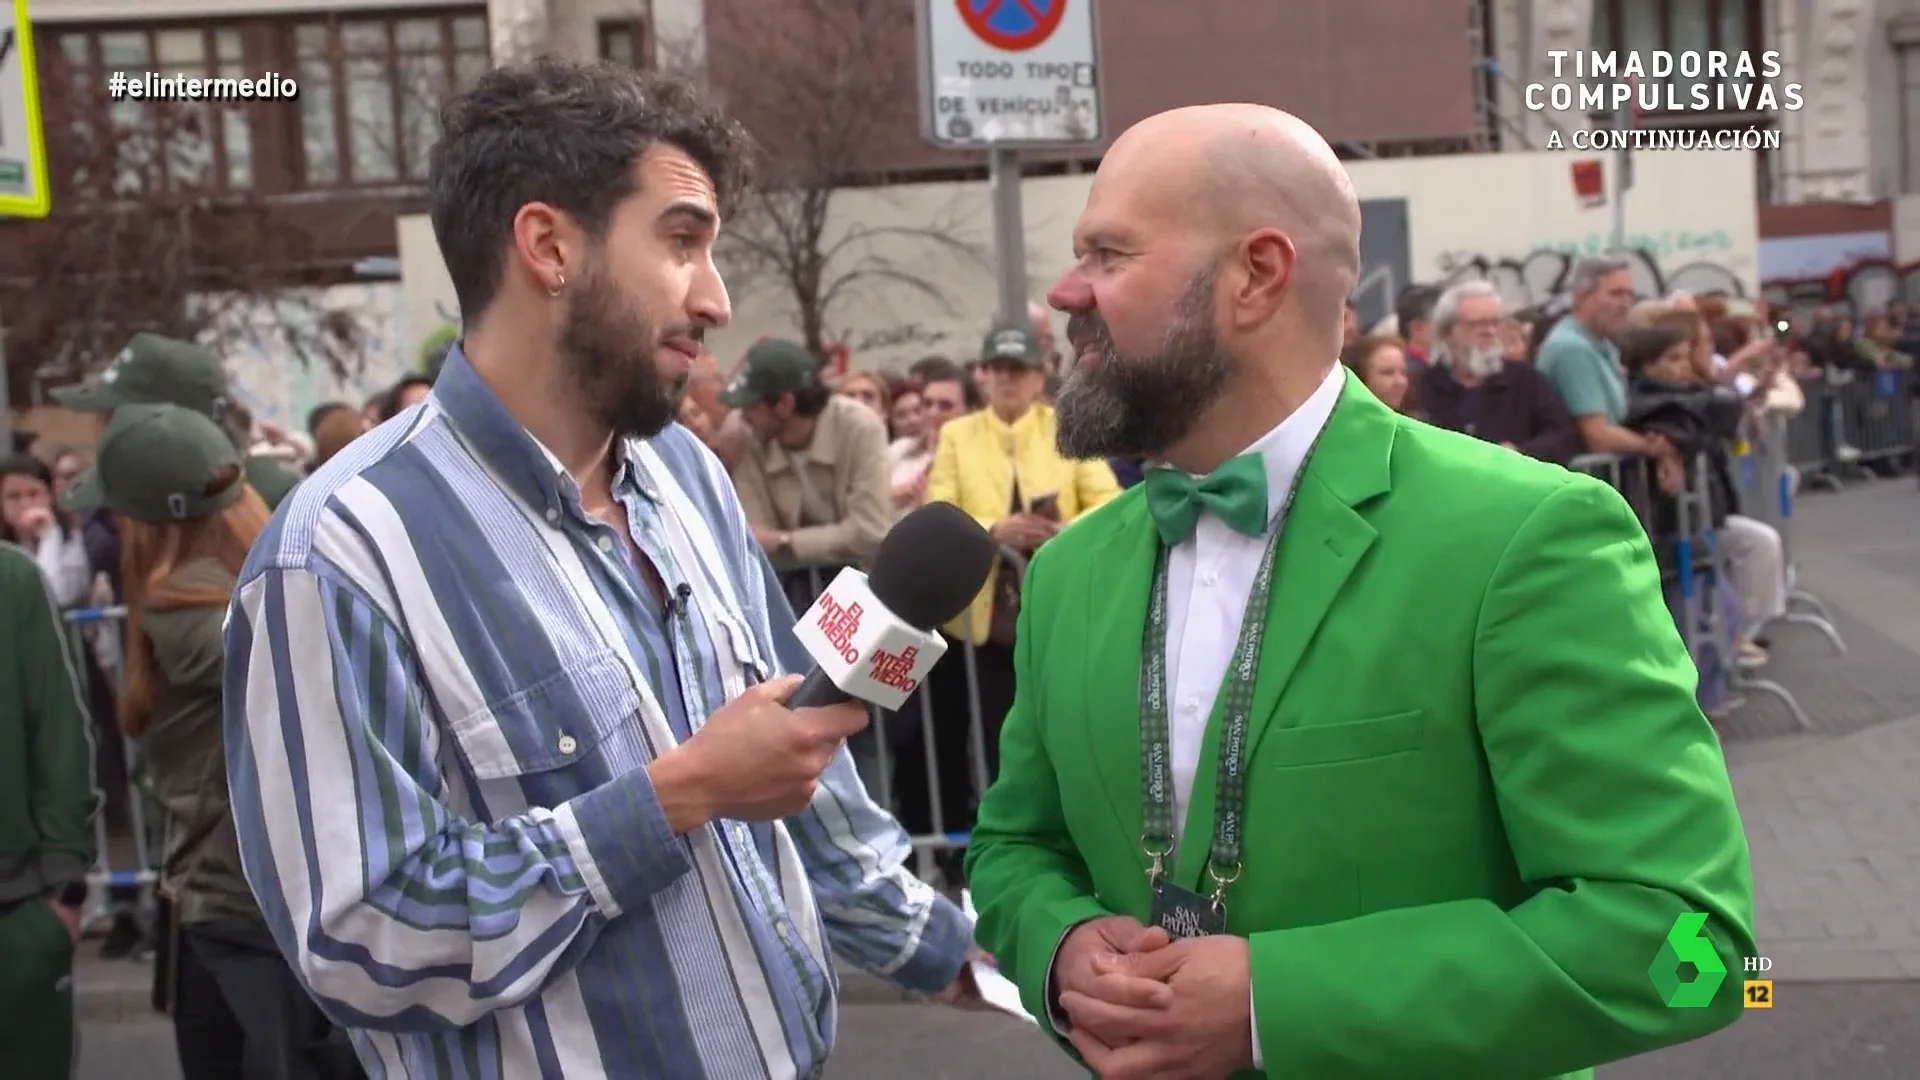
(559, 282)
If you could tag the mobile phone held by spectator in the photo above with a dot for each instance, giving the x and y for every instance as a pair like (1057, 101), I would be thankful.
(1045, 506)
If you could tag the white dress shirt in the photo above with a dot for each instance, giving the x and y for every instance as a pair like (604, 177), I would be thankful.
(1209, 579)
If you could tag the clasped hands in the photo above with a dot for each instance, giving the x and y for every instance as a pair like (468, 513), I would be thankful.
(1141, 1006)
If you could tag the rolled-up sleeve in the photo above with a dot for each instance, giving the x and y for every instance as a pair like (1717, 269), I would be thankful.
(398, 912)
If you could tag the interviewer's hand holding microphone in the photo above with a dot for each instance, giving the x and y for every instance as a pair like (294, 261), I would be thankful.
(754, 759)
(760, 756)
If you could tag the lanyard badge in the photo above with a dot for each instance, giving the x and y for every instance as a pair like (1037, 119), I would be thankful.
(1180, 911)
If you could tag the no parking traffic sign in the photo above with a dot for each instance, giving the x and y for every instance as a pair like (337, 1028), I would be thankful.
(1011, 73)
(1012, 25)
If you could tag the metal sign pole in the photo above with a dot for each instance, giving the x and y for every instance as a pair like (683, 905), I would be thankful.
(1005, 76)
(6, 391)
(1624, 121)
(1009, 235)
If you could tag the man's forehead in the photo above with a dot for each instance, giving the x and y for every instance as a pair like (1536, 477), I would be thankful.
(671, 177)
(1128, 208)
(1109, 221)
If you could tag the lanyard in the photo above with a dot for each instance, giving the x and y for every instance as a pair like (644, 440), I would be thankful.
(1156, 764)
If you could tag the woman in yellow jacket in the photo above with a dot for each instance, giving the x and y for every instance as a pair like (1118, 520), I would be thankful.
(999, 465)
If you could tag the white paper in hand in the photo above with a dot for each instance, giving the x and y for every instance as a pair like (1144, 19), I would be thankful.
(995, 989)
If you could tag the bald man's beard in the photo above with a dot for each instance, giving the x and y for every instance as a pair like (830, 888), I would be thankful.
(606, 352)
(1137, 406)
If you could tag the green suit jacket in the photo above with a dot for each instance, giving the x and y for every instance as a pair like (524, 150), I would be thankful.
(1479, 788)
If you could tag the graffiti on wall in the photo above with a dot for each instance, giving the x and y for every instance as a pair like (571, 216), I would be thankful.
(1854, 289)
(896, 337)
(1540, 279)
(1662, 262)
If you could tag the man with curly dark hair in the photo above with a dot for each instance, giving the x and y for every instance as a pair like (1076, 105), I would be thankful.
(510, 764)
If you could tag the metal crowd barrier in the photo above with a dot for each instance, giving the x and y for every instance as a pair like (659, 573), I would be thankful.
(1693, 567)
(872, 750)
(1769, 482)
(1857, 425)
(127, 887)
(116, 889)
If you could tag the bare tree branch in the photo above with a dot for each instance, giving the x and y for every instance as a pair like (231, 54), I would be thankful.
(811, 79)
(150, 239)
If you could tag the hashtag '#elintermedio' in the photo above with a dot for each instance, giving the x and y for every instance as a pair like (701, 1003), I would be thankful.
(154, 86)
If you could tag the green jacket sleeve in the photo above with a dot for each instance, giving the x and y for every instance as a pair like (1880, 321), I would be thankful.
(59, 734)
(1020, 857)
(1620, 817)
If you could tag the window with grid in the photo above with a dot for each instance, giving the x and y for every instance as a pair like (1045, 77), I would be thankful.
(371, 88)
(174, 144)
(1677, 26)
(626, 41)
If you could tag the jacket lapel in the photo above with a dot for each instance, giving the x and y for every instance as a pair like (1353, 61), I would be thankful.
(1322, 540)
(1118, 580)
(1325, 538)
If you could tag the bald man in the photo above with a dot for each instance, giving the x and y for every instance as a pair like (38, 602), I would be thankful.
(1343, 746)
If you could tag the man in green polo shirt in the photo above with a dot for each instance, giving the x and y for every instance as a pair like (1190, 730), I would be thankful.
(155, 370)
(1582, 362)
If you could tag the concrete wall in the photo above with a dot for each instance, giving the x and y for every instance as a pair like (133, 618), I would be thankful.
(1509, 217)
(277, 384)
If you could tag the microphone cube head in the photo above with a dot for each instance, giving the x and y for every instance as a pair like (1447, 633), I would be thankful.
(866, 650)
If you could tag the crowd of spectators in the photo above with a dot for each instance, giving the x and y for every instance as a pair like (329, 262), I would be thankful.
(1659, 394)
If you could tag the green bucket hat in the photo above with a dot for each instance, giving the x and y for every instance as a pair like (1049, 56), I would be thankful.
(156, 462)
(773, 368)
(154, 369)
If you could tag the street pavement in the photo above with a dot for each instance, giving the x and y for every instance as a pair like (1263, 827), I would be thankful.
(1860, 1031)
(1832, 814)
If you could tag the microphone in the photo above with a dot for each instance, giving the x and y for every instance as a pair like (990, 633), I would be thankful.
(872, 637)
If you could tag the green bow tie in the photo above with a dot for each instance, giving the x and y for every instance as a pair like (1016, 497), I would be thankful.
(1236, 492)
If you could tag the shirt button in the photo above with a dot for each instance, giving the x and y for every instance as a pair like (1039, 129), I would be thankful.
(553, 516)
(568, 745)
(785, 934)
(606, 544)
(1211, 577)
(1192, 705)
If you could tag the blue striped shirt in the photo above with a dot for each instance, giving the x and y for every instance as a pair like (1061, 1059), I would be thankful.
(444, 682)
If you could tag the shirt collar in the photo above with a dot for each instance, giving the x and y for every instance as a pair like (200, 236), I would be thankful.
(523, 464)
(1592, 338)
(1284, 449)
(1027, 419)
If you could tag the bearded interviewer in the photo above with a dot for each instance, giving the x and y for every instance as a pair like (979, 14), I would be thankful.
(1434, 806)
